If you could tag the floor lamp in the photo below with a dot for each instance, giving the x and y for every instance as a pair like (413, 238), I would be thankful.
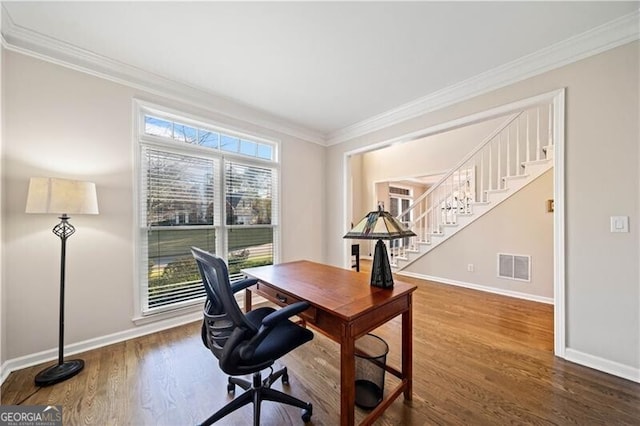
(380, 225)
(64, 197)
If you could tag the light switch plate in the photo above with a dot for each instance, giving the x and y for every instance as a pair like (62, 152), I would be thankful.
(619, 223)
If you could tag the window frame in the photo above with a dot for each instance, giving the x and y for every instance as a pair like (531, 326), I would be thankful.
(142, 313)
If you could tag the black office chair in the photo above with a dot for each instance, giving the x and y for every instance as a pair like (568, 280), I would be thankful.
(247, 344)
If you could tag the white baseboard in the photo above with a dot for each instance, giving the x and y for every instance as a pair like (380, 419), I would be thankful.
(503, 292)
(4, 372)
(601, 364)
(98, 342)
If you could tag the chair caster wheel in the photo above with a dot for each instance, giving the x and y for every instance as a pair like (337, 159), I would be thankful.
(306, 413)
(285, 377)
(231, 388)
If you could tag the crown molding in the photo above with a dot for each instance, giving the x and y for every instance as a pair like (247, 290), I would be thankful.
(32, 43)
(597, 40)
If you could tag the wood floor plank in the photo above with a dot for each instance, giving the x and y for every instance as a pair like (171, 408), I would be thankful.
(479, 359)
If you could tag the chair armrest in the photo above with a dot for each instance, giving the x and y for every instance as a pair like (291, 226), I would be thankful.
(242, 284)
(284, 313)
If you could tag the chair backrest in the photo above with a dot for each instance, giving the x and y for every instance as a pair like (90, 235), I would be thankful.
(223, 320)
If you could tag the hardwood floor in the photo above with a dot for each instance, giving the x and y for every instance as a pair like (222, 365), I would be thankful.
(479, 359)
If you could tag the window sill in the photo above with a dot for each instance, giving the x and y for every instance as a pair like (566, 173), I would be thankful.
(191, 313)
(182, 315)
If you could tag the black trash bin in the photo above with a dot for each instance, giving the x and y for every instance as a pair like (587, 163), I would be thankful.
(371, 357)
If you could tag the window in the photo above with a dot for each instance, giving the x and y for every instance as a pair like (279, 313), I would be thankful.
(400, 199)
(249, 200)
(210, 138)
(205, 187)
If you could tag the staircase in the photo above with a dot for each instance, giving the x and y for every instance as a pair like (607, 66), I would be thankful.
(512, 156)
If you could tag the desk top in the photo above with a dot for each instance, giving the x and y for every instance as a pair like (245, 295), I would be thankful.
(345, 293)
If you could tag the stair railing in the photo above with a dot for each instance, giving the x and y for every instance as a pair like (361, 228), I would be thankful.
(501, 155)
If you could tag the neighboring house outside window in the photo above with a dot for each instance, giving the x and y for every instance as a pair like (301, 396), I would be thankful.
(204, 186)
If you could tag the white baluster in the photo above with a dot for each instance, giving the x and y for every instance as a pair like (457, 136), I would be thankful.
(459, 185)
(499, 171)
(475, 185)
(508, 151)
(421, 224)
(430, 227)
(538, 133)
(490, 187)
(436, 208)
(518, 147)
(482, 175)
(528, 144)
(550, 125)
(441, 220)
(452, 190)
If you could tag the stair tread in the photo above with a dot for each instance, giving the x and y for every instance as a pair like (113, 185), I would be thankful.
(535, 162)
(516, 177)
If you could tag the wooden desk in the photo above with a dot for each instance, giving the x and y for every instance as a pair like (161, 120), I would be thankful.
(344, 307)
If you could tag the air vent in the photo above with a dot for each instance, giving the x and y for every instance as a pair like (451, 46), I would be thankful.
(514, 267)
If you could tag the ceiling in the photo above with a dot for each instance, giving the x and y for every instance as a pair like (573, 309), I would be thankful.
(323, 66)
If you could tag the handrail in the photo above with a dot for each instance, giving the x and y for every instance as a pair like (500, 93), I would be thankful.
(461, 163)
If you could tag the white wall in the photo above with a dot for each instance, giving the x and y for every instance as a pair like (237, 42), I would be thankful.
(602, 179)
(3, 321)
(60, 122)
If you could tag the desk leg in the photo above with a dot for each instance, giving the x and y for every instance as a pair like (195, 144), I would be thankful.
(407, 349)
(247, 300)
(347, 378)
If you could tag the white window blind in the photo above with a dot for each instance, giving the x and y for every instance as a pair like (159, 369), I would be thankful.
(179, 212)
(180, 189)
(249, 199)
(249, 192)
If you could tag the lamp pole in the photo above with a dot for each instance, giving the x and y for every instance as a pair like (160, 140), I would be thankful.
(63, 230)
(63, 370)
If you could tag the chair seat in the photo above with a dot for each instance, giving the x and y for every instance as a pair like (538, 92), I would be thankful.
(284, 338)
(287, 336)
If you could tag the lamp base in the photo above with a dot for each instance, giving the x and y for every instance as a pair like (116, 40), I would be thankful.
(381, 275)
(59, 372)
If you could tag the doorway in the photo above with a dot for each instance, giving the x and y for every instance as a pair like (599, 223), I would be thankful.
(556, 99)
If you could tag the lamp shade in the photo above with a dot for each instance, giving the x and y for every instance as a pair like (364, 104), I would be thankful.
(61, 196)
(379, 225)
